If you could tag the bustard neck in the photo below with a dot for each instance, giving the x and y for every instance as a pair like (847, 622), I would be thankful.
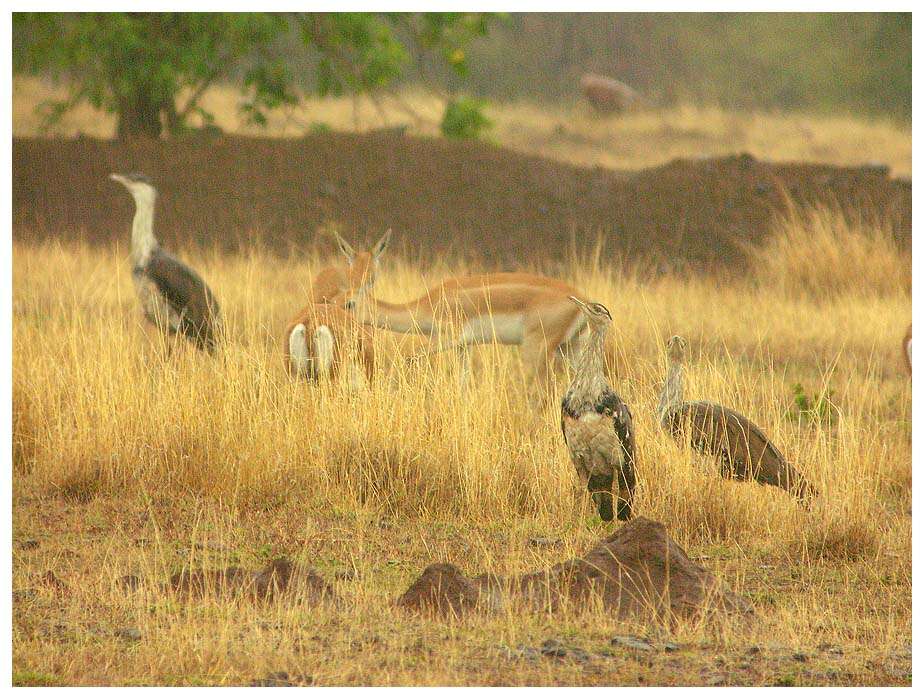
(143, 241)
(589, 377)
(672, 393)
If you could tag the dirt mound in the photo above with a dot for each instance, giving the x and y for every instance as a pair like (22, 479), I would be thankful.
(638, 570)
(442, 589)
(279, 577)
(494, 205)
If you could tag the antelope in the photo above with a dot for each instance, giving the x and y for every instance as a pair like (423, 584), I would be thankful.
(322, 339)
(318, 338)
(533, 312)
(359, 274)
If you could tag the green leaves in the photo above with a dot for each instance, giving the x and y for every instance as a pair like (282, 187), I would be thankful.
(153, 68)
(464, 119)
(818, 408)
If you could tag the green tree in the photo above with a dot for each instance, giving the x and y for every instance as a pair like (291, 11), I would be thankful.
(151, 69)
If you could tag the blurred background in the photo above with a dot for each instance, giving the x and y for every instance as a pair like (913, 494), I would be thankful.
(468, 131)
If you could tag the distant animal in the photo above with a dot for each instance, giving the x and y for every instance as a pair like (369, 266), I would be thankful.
(173, 296)
(597, 424)
(321, 341)
(906, 349)
(607, 95)
(743, 450)
(507, 308)
(359, 274)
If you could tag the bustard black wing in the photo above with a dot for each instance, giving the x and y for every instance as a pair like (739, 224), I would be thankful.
(612, 405)
(189, 295)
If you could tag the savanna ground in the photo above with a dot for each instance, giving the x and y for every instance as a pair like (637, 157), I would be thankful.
(127, 462)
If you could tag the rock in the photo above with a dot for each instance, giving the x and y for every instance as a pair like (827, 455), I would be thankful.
(554, 648)
(129, 634)
(274, 679)
(443, 589)
(633, 642)
(521, 653)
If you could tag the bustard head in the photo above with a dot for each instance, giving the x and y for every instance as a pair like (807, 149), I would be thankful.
(139, 185)
(362, 267)
(597, 313)
(676, 349)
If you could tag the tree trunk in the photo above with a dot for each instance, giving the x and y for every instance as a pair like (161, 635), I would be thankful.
(139, 115)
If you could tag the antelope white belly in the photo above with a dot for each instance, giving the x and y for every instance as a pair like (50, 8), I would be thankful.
(507, 328)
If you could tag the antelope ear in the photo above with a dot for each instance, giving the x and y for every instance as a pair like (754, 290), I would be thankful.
(382, 245)
(345, 247)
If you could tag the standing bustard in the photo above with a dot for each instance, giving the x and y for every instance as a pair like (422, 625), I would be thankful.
(597, 425)
(173, 296)
(744, 451)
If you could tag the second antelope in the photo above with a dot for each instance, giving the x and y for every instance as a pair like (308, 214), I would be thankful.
(322, 340)
(510, 308)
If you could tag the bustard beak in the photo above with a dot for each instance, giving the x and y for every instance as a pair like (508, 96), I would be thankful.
(580, 304)
(116, 177)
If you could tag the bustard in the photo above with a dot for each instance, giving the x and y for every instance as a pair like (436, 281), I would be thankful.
(597, 424)
(173, 296)
(744, 451)
(906, 349)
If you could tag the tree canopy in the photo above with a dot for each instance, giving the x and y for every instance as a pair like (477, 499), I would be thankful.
(151, 69)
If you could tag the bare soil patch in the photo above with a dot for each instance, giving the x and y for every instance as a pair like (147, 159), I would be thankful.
(475, 199)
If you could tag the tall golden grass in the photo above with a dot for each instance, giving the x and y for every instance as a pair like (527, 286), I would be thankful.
(230, 449)
(822, 252)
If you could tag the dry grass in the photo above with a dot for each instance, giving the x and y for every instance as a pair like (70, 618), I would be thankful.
(821, 252)
(570, 133)
(125, 462)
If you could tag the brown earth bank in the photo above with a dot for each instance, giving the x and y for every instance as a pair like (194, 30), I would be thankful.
(473, 199)
(639, 569)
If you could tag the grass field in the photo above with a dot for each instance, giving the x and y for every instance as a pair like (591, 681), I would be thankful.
(570, 133)
(129, 463)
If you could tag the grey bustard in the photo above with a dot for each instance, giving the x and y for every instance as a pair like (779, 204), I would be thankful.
(743, 450)
(173, 296)
(597, 424)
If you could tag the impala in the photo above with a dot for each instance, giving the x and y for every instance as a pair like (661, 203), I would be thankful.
(322, 340)
(509, 308)
(358, 274)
